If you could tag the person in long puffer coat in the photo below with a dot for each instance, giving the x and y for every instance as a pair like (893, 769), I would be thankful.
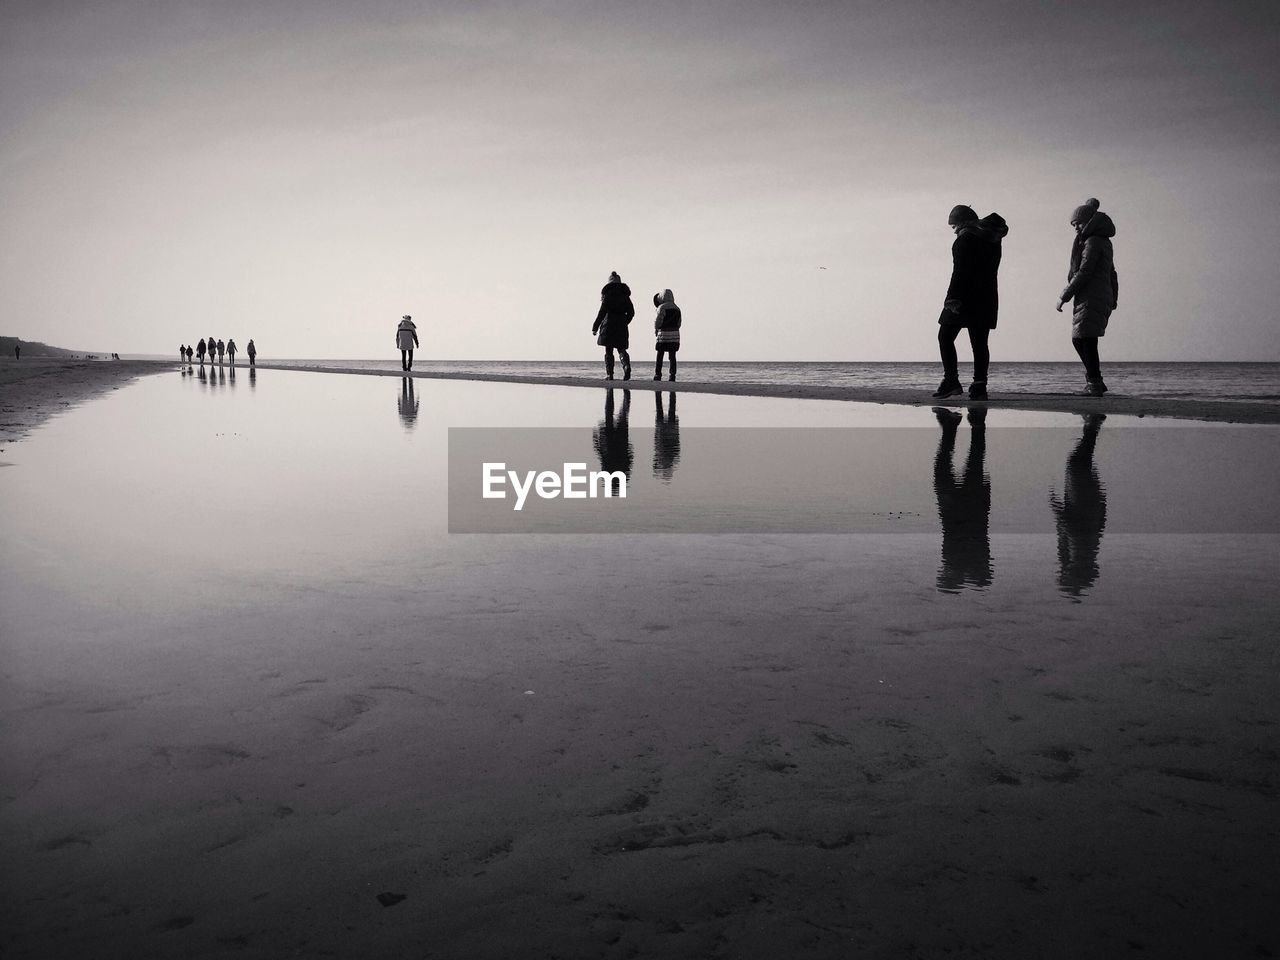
(200, 351)
(1094, 287)
(610, 327)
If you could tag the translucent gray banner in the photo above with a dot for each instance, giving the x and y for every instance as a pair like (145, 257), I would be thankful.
(959, 478)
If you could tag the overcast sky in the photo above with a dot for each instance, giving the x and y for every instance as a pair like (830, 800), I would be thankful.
(305, 172)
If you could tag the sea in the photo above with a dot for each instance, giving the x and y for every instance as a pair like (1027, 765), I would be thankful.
(1244, 382)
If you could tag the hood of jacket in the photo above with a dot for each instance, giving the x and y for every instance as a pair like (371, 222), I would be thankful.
(406, 325)
(991, 228)
(614, 288)
(1100, 225)
(668, 298)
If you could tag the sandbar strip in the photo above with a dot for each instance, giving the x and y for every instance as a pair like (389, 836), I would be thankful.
(1218, 411)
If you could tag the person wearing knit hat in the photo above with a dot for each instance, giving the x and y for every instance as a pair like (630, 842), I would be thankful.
(1093, 286)
(612, 320)
(972, 301)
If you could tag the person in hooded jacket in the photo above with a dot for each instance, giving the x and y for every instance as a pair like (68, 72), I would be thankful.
(1093, 286)
(973, 299)
(252, 351)
(200, 351)
(222, 350)
(610, 327)
(406, 340)
(231, 350)
(666, 327)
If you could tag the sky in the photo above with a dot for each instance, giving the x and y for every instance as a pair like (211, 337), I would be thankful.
(304, 172)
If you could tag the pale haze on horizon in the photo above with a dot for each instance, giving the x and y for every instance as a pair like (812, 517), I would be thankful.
(303, 173)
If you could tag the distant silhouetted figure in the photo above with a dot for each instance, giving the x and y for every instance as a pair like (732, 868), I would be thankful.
(666, 437)
(406, 340)
(1093, 285)
(200, 351)
(1080, 514)
(408, 404)
(17, 352)
(212, 346)
(611, 324)
(182, 353)
(222, 350)
(612, 438)
(666, 327)
(189, 353)
(973, 299)
(252, 351)
(231, 351)
(964, 504)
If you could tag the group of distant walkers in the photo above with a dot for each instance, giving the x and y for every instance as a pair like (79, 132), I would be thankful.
(216, 348)
(972, 300)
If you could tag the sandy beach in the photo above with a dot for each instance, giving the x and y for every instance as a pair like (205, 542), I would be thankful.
(35, 389)
(289, 732)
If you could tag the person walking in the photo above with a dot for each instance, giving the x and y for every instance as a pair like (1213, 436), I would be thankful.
(231, 350)
(182, 352)
(252, 351)
(17, 351)
(973, 301)
(666, 326)
(1094, 288)
(610, 327)
(189, 353)
(200, 351)
(222, 350)
(406, 340)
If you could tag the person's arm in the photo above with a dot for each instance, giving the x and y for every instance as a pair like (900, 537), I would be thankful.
(415, 339)
(961, 270)
(1088, 266)
(595, 327)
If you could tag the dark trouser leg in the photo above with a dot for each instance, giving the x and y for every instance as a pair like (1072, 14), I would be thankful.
(626, 363)
(981, 353)
(410, 353)
(1087, 348)
(672, 355)
(657, 365)
(608, 362)
(947, 334)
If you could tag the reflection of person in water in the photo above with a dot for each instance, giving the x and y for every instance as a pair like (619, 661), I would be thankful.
(408, 403)
(666, 437)
(612, 438)
(964, 504)
(1080, 514)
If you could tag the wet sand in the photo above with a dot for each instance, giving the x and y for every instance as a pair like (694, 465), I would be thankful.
(1221, 411)
(35, 389)
(642, 747)
(741, 755)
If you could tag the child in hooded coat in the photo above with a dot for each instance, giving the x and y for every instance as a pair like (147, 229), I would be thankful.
(666, 327)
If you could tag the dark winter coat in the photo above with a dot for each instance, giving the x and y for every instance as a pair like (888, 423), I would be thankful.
(975, 260)
(1092, 282)
(615, 313)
